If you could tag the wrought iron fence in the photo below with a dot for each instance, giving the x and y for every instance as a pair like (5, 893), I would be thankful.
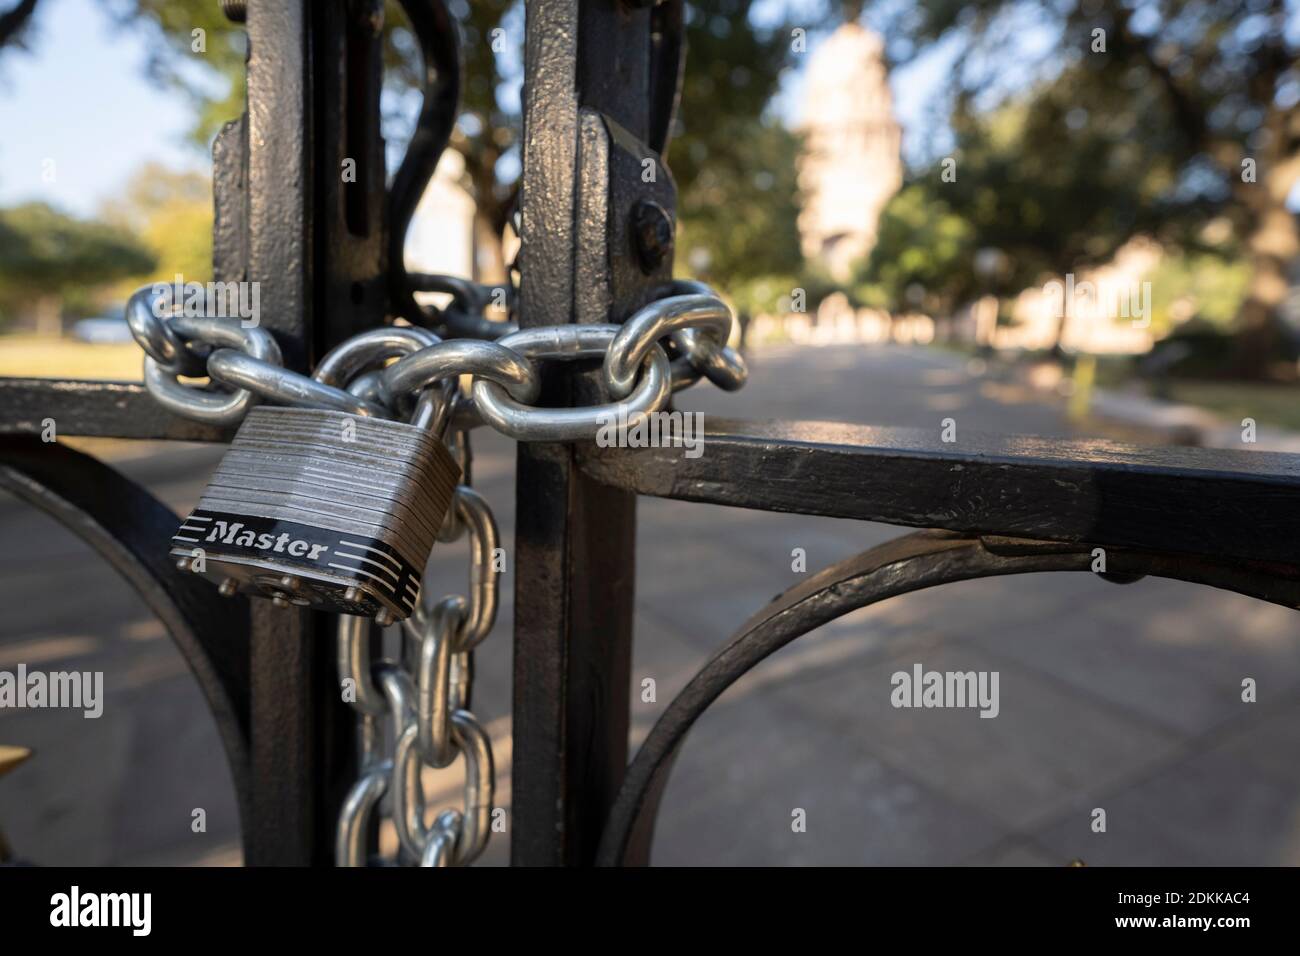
(595, 283)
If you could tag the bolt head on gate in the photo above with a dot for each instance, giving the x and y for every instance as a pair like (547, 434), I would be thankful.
(652, 232)
(322, 509)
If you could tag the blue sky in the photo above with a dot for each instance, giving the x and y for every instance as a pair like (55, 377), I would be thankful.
(80, 98)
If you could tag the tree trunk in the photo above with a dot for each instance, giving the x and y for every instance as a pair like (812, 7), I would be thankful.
(47, 315)
(1057, 351)
(1273, 245)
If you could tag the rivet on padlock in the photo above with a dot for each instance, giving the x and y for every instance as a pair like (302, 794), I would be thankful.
(298, 513)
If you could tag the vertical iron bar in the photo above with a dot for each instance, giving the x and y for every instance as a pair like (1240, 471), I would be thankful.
(575, 539)
(279, 256)
(317, 252)
(284, 757)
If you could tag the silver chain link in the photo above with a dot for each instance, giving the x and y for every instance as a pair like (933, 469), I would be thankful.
(414, 711)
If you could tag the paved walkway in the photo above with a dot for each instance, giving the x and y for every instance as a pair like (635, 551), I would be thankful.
(1126, 699)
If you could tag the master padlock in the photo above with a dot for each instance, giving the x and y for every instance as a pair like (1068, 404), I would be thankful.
(324, 509)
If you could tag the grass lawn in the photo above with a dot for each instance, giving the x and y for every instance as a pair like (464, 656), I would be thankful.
(36, 356)
(1277, 405)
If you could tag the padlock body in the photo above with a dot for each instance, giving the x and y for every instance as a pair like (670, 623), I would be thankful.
(324, 509)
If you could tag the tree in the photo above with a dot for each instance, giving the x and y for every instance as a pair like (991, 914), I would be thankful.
(46, 256)
(740, 216)
(1206, 95)
(1199, 285)
(733, 70)
(1021, 198)
(171, 213)
(738, 199)
(924, 255)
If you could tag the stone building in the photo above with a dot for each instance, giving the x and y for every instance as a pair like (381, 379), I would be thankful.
(852, 163)
(441, 236)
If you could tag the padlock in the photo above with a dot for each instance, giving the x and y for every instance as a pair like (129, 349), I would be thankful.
(321, 508)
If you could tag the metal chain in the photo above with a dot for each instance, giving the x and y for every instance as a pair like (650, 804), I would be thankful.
(693, 325)
(414, 711)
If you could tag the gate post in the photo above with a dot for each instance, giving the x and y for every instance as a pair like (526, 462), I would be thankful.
(285, 219)
(588, 113)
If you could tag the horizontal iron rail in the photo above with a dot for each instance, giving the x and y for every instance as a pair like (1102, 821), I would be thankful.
(98, 409)
(1214, 502)
(1217, 503)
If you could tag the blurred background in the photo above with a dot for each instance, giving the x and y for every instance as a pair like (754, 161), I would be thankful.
(1053, 218)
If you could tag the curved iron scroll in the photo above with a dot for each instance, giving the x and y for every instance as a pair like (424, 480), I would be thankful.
(130, 529)
(906, 564)
(439, 41)
(667, 66)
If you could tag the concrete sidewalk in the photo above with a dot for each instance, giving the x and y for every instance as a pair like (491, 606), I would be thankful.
(1126, 699)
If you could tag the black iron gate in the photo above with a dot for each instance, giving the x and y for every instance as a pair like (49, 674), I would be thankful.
(600, 90)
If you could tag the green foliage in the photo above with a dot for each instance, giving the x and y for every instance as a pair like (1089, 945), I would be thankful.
(739, 216)
(44, 252)
(732, 70)
(1199, 285)
(738, 198)
(1049, 183)
(924, 255)
(1205, 72)
(759, 294)
(1149, 113)
(171, 212)
(1079, 184)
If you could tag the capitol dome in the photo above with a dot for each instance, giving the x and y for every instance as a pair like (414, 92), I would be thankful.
(846, 78)
(852, 164)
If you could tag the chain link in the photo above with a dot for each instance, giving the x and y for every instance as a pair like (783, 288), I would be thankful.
(567, 343)
(414, 712)
(639, 334)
